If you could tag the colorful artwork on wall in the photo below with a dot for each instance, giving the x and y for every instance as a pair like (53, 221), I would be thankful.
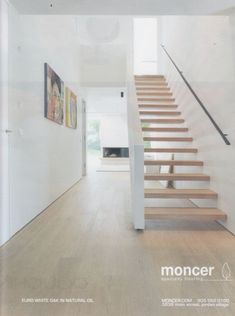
(71, 108)
(54, 96)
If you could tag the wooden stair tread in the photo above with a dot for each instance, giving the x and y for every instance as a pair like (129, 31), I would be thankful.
(184, 213)
(138, 79)
(150, 80)
(173, 163)
(162, 79)
(153, 83)
(180, 193)
(157, 89)
(149, 76)
(157, 99)
(165, 129)
(170, 106)
(171, 150)
(168, 139)
(164, 113)
(162, 121)
(176, 177)
(159, 93)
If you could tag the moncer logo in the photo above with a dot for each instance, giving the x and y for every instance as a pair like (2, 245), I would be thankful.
(187, 271)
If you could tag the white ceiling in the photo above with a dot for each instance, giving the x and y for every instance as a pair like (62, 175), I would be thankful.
(125, 7)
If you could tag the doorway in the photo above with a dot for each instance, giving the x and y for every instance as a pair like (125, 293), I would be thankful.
(93, 141)
(106, 129)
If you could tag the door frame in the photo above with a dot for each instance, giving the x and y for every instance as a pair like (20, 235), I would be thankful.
(84, 138)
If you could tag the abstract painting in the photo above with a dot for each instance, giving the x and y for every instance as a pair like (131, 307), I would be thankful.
(54, 96)
(71, 108)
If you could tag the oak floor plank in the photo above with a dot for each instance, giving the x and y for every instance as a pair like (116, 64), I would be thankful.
(84, 245)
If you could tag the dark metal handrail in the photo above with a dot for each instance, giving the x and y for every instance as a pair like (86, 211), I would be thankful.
(224, 136)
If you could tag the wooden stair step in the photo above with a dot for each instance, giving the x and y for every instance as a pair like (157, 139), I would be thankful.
(180, 193)
(157, 99)
(168, 139)
(164, 113)
(184, 213)
(162, 121)
(154, 162)
(176, 177)
(171, 150)
(149, 76)
(165, 129)
(154, 94)
(170, 106)
(154, 83)
(148, 79)
(151, 89)
(150, 82)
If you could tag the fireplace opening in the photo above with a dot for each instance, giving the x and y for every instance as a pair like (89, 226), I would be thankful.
(115, 152)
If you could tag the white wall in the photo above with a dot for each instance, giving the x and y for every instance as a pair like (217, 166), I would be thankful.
(4, 205)
(104, 45)
(203, 48)
(113, 131)
(45, 158)
(145, 46)
(108, 106)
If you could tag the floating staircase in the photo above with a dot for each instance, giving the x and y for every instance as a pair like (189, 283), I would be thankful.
(157, 108)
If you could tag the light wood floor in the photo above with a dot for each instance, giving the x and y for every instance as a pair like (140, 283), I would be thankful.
(84, 246)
